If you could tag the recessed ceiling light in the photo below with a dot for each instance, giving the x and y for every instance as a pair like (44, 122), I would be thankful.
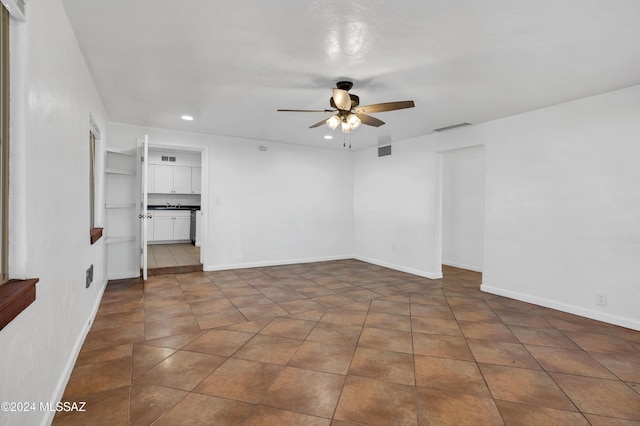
(328, 137)
(187, 118)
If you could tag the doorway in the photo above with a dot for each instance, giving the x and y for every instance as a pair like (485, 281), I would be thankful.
(463, 183)
(182, 170)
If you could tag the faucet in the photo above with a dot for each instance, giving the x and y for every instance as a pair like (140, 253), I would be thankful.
(168, 205)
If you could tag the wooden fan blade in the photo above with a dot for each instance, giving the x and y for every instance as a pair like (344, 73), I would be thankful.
(306, 110)
(341, 99)
(369, 120)
(386, 106)
(318, 124)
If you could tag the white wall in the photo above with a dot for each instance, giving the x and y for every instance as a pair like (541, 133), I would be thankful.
(285, 205)
(463, 208)
(561, 205)
(52, 96)
(396, 208)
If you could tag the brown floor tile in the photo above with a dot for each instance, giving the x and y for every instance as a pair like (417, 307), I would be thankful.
(268, 416)
(107, 337)
(375, 402)
(474, 314)
(332, 300)
(220, 319)
(325, 357)
(120, 306)
(595, 420)
(300, 305)
(271, 310)
(390, 307)
(248, 327)
(148, 402)
(569, 361)
(487, 331)
(599, 396)
(448, 327)
(119, 319)
(252, 300)
(146, 356)
(106, 408)
(357, 306)
(289, 327)
(388, 321)
(524, 414)
(166, 312)
(174, 342)
(594, 342)
(335, 333)
(106, 354)
(383, 365)
(450, 375)
(432, 311)
(502, 353)
(625, 367)
(386, 340)
(240, 379)
(344, 316)
(441, 346)
(182, 370)
(525, 386)
(213, 305)
(203, 410)
(314, 315)
(543, 337)
(219, 342)
(305, 391)
(271, 349)
(98, 377)
(437, 407)
(171, 327)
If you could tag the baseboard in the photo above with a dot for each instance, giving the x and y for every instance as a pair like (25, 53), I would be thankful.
(124, 275)
(462, 266)
(420, 273)
(571, 309)
(273, 263)
(68, 369)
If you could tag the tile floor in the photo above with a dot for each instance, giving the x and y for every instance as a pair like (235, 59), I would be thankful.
(342, 343)
(168, 255)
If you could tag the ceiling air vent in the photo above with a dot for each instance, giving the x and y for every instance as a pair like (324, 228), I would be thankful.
(455, 126)
(17, 8)
(167, 158)
(384, 150)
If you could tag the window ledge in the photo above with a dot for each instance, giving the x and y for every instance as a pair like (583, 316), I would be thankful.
(95, 234)
(15, 296)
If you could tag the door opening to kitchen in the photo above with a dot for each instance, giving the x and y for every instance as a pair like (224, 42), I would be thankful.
(174, 228)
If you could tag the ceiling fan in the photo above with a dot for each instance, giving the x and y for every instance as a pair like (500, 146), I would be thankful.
(348, 113)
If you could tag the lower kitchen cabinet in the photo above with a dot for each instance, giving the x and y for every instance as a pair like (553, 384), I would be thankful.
(171, 225)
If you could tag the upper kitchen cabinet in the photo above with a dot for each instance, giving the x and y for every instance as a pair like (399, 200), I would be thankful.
(181, 177)
(196, 180)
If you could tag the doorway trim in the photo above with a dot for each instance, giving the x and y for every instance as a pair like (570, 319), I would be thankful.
(204, 190)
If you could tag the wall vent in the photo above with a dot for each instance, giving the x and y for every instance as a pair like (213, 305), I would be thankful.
(16, 8)
(384, 150)
(454, 126)
(167, 158)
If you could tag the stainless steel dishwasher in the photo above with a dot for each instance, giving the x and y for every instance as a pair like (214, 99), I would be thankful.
(193, 226)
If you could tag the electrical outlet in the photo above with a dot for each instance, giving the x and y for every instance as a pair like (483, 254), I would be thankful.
(89, 276)
(601, 299)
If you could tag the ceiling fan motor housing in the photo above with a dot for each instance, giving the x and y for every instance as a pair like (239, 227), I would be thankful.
(355, 101)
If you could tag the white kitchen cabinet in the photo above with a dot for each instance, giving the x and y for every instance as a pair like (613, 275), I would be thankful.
(196, 180)
(170, 179)
(181, 180)
(163, 179)
(162, 228)
(182, 227)
(170, 225)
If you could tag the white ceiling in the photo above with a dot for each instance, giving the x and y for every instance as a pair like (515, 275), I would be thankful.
(232, 63)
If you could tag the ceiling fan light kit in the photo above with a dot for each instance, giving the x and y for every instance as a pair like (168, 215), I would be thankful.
(348, 114)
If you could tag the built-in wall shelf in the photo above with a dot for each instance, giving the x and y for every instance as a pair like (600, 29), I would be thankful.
(111, 170)
(120, 206)
(124, 239)
(121, 151)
